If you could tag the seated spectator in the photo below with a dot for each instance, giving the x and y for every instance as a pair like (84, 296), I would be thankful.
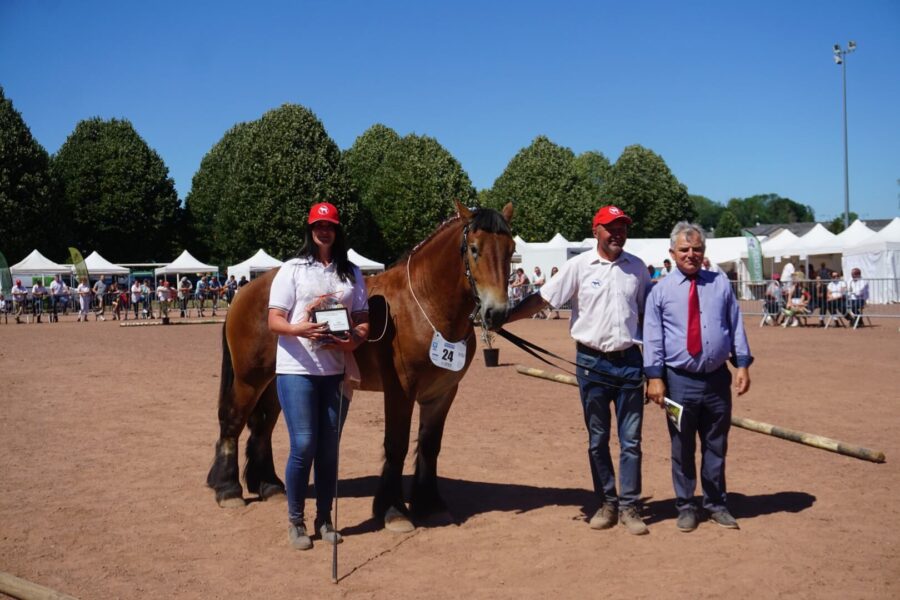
(774, 299)
(857, 293)
(817, 297)
(835, 294)
(797, 305)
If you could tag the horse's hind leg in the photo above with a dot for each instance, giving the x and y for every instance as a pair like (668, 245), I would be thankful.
(388, 504)
(260, 470)
(236, 402)
(425, 498)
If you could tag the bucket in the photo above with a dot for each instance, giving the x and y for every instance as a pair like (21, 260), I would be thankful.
(491, 356)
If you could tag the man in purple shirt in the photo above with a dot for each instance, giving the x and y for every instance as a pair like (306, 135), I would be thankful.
(692, 326)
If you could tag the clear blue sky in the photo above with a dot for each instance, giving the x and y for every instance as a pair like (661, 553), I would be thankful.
(738, 98)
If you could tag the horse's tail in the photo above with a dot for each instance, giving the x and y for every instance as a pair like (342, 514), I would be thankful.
(226, 398)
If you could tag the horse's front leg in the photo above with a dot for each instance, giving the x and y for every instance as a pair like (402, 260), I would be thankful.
(259, 473)
(426, 499)
(388, 504)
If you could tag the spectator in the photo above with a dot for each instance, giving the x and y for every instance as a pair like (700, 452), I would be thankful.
(817, 298)
(242, 282)
(797, 302)
(667, 268)
(537, 284)
(100, 295)
(147, 299)
(519, 286)
(38, 292)
(57, 289)
(810, 272)
(215, 290)
(857, 293)
(184, 294)
(231, 287)
(84, 299)
(164, 294)
(787, 273)
(710, 266)
(117, 299)
(136, 298)
(202, 292)
(692, 327)
(836, 294)
(553, 272)
(19, 296)
(774, 299)
(824, 272)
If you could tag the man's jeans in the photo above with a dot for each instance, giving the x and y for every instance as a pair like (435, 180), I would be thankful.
(310, 406)
(620, 383)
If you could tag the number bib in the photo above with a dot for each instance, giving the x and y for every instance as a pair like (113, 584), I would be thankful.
(447, 355)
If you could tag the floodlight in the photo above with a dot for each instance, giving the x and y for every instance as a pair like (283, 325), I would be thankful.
(851, 46)
(837, 48)
(838, 60)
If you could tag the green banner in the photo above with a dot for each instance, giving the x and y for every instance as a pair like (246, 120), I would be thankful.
(81, 269)
(5, 276)
(754, 256)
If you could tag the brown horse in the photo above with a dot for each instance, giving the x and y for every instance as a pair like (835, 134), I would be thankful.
(459, 271)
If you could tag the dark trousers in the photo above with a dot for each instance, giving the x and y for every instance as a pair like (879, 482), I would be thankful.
(706, 398)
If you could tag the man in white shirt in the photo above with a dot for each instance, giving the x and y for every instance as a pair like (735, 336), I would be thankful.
(19, 295)
(607, 287)
(100, 295)
(57, 289)
(136, 298)
(857, 292)
(38, 292)
(787, 272)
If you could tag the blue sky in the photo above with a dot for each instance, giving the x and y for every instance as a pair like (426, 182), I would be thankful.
(738, 98)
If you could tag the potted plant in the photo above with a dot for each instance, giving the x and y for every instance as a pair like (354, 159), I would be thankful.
(491, 354)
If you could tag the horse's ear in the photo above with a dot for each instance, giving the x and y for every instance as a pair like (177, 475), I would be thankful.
(464, 212)
(507, 212)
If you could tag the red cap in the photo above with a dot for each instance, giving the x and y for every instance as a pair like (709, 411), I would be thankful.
(323, 211)
(608, 214)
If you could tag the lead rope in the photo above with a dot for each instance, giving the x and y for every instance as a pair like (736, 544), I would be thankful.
(409, 283)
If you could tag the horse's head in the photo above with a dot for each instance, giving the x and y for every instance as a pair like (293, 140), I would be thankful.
(487, 250)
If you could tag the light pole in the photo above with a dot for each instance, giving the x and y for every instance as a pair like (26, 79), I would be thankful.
(840, 58)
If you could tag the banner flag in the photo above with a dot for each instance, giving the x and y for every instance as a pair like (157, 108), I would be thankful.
(754, 256)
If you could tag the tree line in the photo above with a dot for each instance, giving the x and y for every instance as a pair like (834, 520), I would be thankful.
(107, 190)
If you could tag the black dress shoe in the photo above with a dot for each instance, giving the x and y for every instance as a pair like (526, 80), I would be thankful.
(687, 520)
(724, 519)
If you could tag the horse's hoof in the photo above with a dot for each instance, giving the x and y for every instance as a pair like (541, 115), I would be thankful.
(271, 491)
(396, 521)
(232, 503)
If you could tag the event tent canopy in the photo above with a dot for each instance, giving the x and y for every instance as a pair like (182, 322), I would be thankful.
(38, 264)
(261, 261)
(186, 264)
(878, 257)
(856, 233)
(97, 265)
(365, 265)
(817, 240)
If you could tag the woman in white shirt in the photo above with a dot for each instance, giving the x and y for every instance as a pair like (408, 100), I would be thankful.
(310, 363)
(84, 299)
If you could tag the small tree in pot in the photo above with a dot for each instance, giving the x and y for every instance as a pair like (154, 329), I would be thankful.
(491, 354)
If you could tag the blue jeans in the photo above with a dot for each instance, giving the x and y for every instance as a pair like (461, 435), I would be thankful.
(622, 385)
(310, 406)
(706, 398)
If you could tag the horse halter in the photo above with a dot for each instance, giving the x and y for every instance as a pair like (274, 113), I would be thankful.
(463, 250)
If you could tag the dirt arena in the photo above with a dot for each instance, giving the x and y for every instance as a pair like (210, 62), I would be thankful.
(107, 433)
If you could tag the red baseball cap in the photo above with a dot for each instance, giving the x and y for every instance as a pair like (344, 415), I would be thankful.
(323, 211)
(608, 214)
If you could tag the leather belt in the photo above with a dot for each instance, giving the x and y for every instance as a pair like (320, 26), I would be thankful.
(612, 355)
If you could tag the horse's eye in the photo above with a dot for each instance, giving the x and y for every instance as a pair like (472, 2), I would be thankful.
(473, 249)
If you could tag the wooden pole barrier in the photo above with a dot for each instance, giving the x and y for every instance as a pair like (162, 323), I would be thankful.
(26, 590)
(800, 437)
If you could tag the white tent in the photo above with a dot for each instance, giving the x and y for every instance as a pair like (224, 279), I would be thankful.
(97, 265)
(856, 233)
(261, 261)
(186, 264)
(816, 241)
(365, 265)
(878, 257)
(38, 264)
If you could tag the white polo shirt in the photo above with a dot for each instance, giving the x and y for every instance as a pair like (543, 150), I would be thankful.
(607, 298)
(298, 284)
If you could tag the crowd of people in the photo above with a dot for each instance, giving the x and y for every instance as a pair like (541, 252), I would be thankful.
(140, 299)
(792, 301)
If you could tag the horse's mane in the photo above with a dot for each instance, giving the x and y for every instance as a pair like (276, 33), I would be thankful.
(487, 219)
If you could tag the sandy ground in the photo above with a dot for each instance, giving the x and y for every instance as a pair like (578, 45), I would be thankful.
(107, 434)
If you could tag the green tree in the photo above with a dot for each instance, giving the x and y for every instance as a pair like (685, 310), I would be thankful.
(707, 211)
(255, 186)
(769, 208)
(593, 169)
(728, 225)
(837, 224)
(550, 190)
(118, 191)
(641, 184)
(411, 193)
(29, 213)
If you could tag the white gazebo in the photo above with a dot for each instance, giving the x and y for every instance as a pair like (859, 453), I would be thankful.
(260, 262)
(38, 264)
(97, 265)
(186, 263)
(366, 265)
(878, 257)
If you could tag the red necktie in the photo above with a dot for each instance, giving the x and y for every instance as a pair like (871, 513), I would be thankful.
(694, 339)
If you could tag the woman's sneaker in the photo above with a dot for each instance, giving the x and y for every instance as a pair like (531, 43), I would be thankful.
(328, 533)
(297, 536)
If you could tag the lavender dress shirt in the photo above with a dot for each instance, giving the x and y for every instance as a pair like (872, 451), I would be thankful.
(666, 319)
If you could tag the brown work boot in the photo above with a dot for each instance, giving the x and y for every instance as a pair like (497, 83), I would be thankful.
(605, 517)
(631, 519)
